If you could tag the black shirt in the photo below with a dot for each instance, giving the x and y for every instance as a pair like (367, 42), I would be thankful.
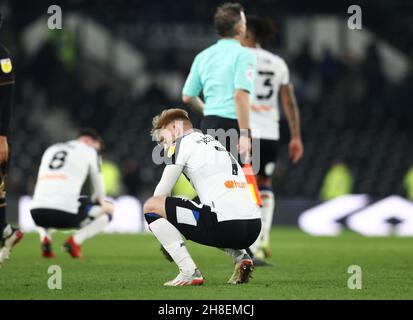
(6, 90)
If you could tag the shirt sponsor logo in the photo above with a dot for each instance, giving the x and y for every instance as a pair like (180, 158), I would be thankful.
(260, 108)
(53, 177)
(171, 151)
(232, 184)
(6, 65)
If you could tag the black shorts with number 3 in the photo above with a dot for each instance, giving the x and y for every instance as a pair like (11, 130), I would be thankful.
(268, 156)
(199, 223)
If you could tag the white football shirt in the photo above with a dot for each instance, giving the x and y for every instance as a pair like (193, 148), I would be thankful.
(272, 72)
(216, 176)
(62, 173)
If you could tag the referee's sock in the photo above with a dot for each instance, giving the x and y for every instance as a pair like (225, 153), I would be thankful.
(172, 241)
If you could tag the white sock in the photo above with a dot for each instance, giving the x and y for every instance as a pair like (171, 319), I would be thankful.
(172, 241)
(7, 231)
(267, 213)
(92, 229)
(256, 245)
(44, 233)
(235, 254)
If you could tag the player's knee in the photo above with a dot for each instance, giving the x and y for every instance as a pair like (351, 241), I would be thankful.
(154, 208)
(108, 207)
(151, 209)
(152, 205)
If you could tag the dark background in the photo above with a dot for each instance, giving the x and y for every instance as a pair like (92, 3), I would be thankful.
(350, 109)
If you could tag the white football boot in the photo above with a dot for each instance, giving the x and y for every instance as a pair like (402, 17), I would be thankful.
(182, 279)
(242, 271)
(9, 243)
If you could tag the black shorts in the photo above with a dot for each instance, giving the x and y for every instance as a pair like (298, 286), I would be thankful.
(268, 156)
(215, 122)
(52, 218)
(199, 223)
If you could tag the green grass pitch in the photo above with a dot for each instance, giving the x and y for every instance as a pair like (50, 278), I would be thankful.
(132, 267)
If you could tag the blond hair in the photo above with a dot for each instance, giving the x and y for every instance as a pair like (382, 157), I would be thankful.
(166, 117)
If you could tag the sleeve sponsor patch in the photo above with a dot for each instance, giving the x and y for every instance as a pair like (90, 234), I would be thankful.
(6, 66)
(171, 150)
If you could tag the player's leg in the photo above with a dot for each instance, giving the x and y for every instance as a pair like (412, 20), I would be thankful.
(243, 265)
(46, 242)
(268, 155)
(227, 133)
(171, 239)
(197, 222)
(267, 214)
(46, 221)
(92, 219)
(248, 231)
(9, 236)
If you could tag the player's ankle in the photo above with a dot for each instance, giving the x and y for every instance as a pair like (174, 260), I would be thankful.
(187, 269)
(241, 257)
(76, 240)
(46, 239)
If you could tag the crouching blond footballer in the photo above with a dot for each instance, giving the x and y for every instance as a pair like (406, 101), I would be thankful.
(226, 216)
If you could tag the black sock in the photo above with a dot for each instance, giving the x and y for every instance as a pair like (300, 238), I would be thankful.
(250, 253)
(2, 220)
(2, 223)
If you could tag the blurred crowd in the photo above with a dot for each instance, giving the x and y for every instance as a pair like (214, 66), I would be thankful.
(341, 97)
(356, 89)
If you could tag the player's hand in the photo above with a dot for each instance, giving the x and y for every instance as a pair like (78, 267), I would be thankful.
(4, 149)
(295, 149)
(244, 148)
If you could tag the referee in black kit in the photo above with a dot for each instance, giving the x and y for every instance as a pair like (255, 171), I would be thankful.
(8, 236)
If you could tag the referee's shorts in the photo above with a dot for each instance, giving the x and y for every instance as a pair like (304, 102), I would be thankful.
(216, 123)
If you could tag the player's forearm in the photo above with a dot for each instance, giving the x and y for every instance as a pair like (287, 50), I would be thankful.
(194, 102)
(99, 194)
(169, 178)
(242, 108)
(98, 187)
(291, 111)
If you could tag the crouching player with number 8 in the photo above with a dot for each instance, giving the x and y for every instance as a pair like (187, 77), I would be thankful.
(226, 216)
(57, 203)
